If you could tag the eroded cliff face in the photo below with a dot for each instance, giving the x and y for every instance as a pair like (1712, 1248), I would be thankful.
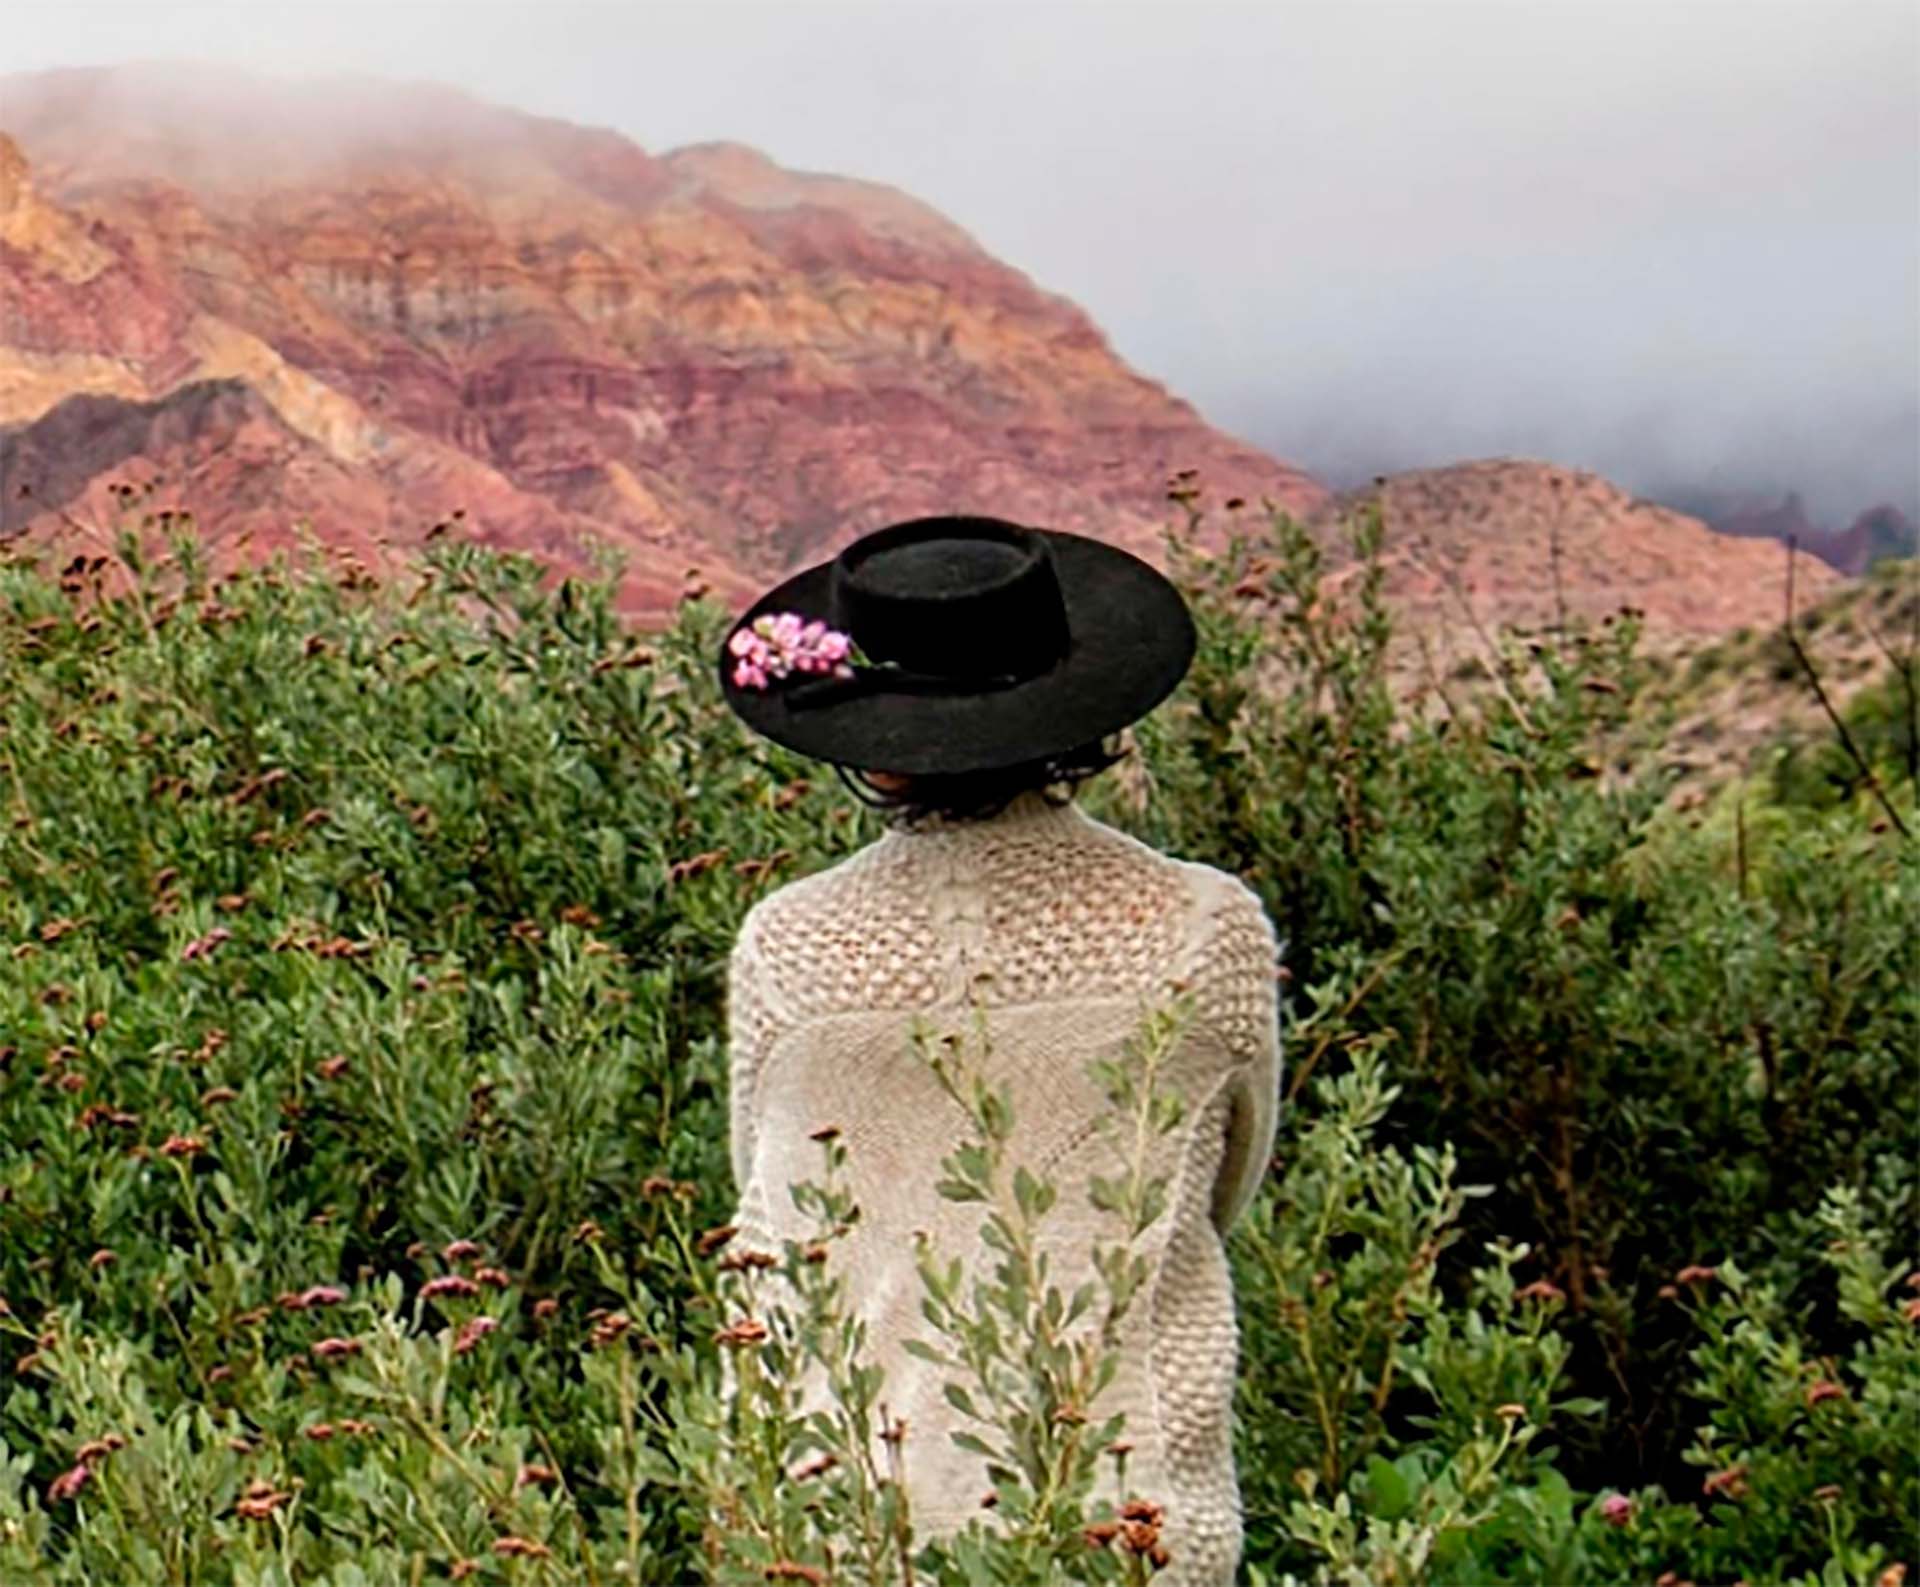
(80, 310)
(702, 359)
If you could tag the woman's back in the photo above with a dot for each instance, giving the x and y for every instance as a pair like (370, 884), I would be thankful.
(1062, 932)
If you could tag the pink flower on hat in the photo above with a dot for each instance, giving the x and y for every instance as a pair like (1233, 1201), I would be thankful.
(779, 644)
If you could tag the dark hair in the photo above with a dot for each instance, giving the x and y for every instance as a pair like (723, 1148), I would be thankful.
(977, 795)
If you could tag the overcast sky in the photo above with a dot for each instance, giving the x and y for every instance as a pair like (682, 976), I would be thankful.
(1674, 240)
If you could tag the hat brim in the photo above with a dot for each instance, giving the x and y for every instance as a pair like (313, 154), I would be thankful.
(1131, 641)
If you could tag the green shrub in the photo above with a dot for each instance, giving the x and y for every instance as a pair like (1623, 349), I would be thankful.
(360, 940)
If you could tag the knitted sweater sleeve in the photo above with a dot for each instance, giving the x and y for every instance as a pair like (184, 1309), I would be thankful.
(754, 1020)
(1236, 997)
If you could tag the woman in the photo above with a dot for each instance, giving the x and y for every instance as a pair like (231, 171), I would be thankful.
(969, 671)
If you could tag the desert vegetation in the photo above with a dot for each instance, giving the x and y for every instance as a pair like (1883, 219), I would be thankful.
(363, 1173)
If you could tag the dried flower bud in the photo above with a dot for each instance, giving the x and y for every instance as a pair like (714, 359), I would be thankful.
(1730, 1483)
(744, 1261)
(321, 1295)
(712, 1239)
(69, 1483)
(471, 1333)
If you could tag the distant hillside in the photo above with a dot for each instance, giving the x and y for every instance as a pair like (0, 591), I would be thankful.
(1740, 695)
(1512, 542)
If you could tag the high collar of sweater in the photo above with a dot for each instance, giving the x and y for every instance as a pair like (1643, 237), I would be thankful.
(1027, 813)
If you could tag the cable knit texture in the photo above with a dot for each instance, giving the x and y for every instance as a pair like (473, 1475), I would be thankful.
(1062, 932)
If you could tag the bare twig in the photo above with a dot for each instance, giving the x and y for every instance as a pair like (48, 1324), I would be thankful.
(1553, 549)
(1826, 704)
(1903, 669)
(1497, 668)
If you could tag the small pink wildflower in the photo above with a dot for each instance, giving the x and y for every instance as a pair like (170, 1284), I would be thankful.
(69, 1483)
(448, 1284)
(1616, 1509)
(331, 1349)
(472, 1332)
(202, 946)
(321, 1295)
(780, 644)
(459, 1250)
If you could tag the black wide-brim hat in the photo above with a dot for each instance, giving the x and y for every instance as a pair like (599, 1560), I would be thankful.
(997, 645)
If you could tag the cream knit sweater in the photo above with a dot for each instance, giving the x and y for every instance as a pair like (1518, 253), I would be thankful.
(1063, 930)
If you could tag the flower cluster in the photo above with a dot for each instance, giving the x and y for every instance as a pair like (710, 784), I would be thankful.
(781, 643)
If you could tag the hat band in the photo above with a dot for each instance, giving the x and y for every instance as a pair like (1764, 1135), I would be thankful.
(827, 690)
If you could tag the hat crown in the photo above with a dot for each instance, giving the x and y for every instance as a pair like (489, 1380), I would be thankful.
(953, 595)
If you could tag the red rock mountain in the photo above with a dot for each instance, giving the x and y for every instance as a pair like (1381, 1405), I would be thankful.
(366, 305)
(362, 306)
(1521, 543)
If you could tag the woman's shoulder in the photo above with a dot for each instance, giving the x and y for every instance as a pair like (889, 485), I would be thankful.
(1211, 888)
(816, 889)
